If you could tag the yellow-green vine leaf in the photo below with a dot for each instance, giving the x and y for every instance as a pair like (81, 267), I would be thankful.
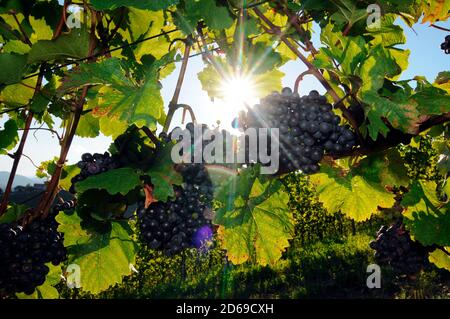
(356, 196)
(440, 258)
(104, 258)
(258, 227)
(426, 217)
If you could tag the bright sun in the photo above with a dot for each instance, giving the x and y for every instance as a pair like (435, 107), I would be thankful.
(238, 91)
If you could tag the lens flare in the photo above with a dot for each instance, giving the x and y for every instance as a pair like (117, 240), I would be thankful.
(237, 91)
(203, 238)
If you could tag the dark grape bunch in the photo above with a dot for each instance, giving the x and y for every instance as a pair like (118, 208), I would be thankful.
(25, 251)
(395, 247)
(446, 45)
(93, 164)
(181, 222)
(308, 128)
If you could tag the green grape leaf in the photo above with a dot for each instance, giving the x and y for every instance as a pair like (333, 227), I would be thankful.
(353, 193)
(111, 126)
(13, 67)
(348, 51)
(13, 213)
(16, 46)
(120, 180)
(386, 168)
(153, 5)
(378, 65)
(256, 227)
(401, 113)
(104, 258)
(446, 188)
(110, 72)
(39, 103)
(147, 24)
(70, 225)
(73, 45)
(389, 34)
(440, 258)
(435, 10)
(69, 171)
(121, 97)
(41, 31)
(432, 100)
(401, 57)
(348, 12)
(19, 94)
(8, 136)
(88, 126)
(215, 16)
(426, 217)
(270, 61)
(163, 176)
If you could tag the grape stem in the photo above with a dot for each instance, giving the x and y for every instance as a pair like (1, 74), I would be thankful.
(26, 39)
(187, 108)
(62, 20)
(313, 70)
(439, 27)
(299, 79)
(52, 187)
(18, 153)
(296, 23)
(43, 129)
(173, 105)
(150, 135)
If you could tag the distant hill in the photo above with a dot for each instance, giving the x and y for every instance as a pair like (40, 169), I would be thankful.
(19, 180)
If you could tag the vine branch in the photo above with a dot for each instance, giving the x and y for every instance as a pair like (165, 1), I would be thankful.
(26, 39)
(299, 79)
(62, 20)
(18, 153)
(150, 135)
(439, 27)
(176, 95)
(52, 187)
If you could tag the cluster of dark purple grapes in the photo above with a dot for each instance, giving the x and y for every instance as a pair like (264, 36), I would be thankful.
(446, 45)
(93, 165)
(307, 127)
(183, 221)
(25, 251)
(394, 246)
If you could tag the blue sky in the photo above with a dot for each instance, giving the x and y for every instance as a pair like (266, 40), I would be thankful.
(426, 59)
